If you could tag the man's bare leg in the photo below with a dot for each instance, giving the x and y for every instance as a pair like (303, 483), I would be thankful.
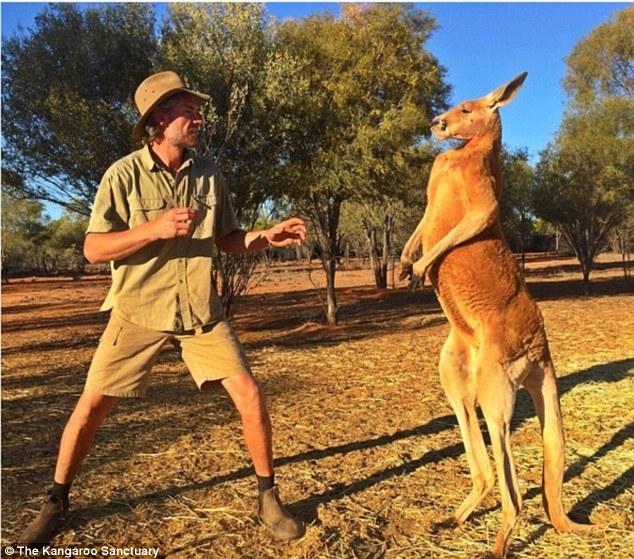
(256, 424)
(248, 399)
(89, 413)
(77, 439)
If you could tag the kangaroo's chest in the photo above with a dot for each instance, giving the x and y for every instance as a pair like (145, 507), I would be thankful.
(478, 278)
(456, 185)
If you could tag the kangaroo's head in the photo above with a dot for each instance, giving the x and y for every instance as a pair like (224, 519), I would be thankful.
(476, 118)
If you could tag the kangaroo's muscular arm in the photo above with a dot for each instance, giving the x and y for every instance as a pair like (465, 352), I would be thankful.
(479, 216)
(414, 242)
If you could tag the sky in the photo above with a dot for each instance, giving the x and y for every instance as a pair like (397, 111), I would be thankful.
(481, 45)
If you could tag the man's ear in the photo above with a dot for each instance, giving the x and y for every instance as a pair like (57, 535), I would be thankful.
(158, 117)
(504, 94)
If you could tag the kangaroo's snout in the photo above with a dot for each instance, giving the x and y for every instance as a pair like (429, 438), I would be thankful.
(439, 123)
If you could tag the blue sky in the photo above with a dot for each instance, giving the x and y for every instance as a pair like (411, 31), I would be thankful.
(482, 45)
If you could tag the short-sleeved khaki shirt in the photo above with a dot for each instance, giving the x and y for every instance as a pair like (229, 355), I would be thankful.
(167, 284)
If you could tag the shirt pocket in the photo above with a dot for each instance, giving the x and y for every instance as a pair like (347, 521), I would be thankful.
(143, 210)
(207, 209)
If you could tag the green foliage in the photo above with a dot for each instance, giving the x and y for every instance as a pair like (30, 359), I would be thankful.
(23, 223)
(32, 243)
(68, 232)
(587, 175)
(585, 178)
(366, 96)
(227, 49)
(602, 65)
(67, 97)
(24, 233)
(517, 198)
(361, 102)
(585, 181)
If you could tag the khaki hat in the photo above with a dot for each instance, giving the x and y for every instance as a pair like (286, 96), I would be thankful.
(155, 89)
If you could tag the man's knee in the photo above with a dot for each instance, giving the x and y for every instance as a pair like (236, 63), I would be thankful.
(245, 393)
(91, 409)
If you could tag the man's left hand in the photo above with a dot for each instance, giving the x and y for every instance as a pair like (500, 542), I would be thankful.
(289, 232)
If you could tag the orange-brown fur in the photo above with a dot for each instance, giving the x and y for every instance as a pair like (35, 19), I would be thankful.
(497, 340)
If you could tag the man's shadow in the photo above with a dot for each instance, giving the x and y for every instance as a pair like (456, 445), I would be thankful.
(307, 508)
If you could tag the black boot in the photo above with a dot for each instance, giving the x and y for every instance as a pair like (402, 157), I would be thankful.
(46, 524)
(271, 513)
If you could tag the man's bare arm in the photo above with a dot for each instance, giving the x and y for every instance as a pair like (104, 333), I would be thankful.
(104, 247)
(286, 233)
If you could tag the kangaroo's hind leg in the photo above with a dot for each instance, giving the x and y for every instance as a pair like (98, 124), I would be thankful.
(459, 386)
(541, 384)
(496, 395)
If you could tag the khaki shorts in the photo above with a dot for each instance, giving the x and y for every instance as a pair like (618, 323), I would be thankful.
(126, 353)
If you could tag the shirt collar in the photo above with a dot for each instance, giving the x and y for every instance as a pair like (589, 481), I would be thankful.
(151, 165)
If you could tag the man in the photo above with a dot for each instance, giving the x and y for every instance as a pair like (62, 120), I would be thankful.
(156, 214)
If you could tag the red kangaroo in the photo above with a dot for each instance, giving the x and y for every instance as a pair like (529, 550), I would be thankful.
(497, 340)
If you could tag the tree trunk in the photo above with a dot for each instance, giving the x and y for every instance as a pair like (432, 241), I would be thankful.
(586, 259)
(578, 238)
(622, 240)
(523, 249)
(327, 225)
(388, 222)
(378, 260)
(371, 242)
(586, 281)
(393, 272)
(330, 267)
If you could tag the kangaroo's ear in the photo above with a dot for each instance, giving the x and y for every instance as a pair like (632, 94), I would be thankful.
(504, 94)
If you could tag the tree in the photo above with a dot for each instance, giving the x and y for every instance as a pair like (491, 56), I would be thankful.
(24, 235)
(33, 243)
(585, 181)
(360, 104)
(517, 200)
(601, 66)
(381, 227)
(227, 50)
(67, 98)
(622, 239)
(66, 243)
(586, 176)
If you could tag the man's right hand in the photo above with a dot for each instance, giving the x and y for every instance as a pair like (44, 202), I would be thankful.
(176, 222)
(116, 245)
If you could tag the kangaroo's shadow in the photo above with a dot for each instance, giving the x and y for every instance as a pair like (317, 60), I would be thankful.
(611, 372)
(307, 508)
(582, 510)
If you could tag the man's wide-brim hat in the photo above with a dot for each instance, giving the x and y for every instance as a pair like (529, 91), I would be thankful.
(153, 90)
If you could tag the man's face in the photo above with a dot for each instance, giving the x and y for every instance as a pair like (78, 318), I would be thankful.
(182, 121)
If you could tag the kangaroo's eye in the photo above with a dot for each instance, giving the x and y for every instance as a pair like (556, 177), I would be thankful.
(465, 110)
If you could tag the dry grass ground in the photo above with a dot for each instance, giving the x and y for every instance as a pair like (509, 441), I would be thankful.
(367, 448)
